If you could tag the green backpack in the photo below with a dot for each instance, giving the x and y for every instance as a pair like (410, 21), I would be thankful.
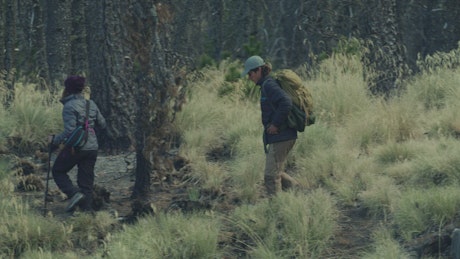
(301, 114)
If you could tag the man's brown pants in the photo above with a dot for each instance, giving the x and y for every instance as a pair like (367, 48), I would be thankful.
(274, 165)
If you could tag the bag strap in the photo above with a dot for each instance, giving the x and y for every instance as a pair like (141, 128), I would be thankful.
(86, 114)
(86, 120)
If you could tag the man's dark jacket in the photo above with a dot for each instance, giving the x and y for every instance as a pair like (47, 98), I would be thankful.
(275, 105)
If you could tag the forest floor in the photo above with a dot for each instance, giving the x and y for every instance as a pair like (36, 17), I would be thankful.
(115, 179)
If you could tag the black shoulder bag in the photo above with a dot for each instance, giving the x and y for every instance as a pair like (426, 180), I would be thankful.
(79, 135)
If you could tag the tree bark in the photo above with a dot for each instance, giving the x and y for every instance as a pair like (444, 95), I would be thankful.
(2, 33)
(9, 56)
(31, 55)
(78, 46)
(111, 72)
(156, 90)
(217, 12)
(385, 59)
(57, 40)
(38, 47)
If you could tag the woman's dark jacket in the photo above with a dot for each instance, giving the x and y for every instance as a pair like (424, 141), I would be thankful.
(73, 114)
(275, 105)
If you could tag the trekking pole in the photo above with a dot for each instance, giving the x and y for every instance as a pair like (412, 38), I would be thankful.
(47, 179)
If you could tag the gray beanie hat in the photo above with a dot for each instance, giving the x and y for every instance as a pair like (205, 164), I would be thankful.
(251, 63)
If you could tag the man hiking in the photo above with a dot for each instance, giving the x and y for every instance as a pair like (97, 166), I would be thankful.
(275, 106)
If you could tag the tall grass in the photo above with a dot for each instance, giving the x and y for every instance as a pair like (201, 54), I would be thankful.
(339, 90)
(32, 116)
(22, 230)
(211, 122)
(420, 209)
(385, 247)
(6, 186)
(167, 236)
(291, 225)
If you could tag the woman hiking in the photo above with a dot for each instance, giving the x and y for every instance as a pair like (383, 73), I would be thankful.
(74, 114)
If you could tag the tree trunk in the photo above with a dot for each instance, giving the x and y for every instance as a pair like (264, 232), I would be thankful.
(78, 47)
(155, 94)
(38, 46)
(191, 30)
(2, 33)
(385, 56)
(144, 165)
(32, 45)
(10, 40)
(57, 40)
(217, 12)
(111, 77)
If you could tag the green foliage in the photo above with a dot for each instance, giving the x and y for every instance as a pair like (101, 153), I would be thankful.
(348, 47)
(250, 91)
(253, 47)
(233, 73)
(206, 61)
(244, 90)
(440, 61)
(226, 89)
(322, 56)
(236, 87)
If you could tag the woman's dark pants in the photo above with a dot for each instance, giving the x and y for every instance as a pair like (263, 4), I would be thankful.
(85, 161)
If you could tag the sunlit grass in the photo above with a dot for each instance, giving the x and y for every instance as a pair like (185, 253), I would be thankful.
(385, 246)
(437, 165)
(32, 117)
(247, 176)
(339, 90)
(167, 236)
(23, 230)
(88, 230)
(290, 225)
(418, 209)
(379, 196)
